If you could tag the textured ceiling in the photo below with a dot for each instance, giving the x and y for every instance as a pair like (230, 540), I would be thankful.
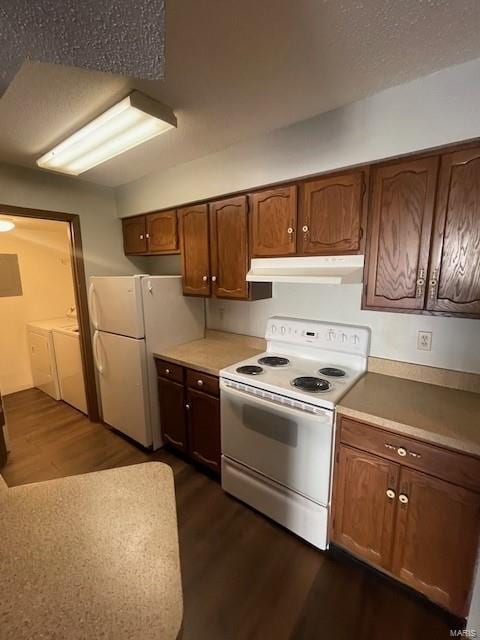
(116, 36)
(238, 69)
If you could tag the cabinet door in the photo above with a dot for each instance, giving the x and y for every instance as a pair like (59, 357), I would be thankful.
(330, 220)
(436, 541)
(229, 248)
(134, 235)
(162, 232)
(173, 424)
(3, 444)
(363, 511)
(454, 285)
(400, 225)
(204, 429)
(194, 235)
(273, 222)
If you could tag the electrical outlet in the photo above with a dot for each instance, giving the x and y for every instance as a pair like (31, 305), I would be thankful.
(424, 340)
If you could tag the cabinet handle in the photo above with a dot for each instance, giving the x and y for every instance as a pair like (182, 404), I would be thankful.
(420, 283)
(172, 440)
(305, 228)
(203, 459)
(205, 278)
(403, 498)
(214, 278)
(200, 383)
(402, 452)
(390, 494)
(433, 284)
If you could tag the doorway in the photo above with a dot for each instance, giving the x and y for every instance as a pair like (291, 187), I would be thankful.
(42, 279)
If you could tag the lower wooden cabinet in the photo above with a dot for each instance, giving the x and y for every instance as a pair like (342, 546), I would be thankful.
(190, 413)
(204, 429)
(417, 527)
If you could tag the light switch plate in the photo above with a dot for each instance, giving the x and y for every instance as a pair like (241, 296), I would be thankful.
(424, 340)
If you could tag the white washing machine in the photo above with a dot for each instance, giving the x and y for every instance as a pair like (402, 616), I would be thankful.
(69, 366)
(42, 354)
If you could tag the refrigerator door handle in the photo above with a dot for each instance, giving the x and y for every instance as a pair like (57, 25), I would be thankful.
(91, 305)
(98, 363)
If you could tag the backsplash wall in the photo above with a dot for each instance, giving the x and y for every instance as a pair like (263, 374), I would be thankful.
(455, 341)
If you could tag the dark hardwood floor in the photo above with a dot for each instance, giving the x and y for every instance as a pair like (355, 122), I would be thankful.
(244, 577)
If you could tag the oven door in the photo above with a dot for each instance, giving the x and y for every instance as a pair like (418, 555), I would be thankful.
(290, 446)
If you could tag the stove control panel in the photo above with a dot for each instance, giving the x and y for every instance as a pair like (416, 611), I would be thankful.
(319, 334)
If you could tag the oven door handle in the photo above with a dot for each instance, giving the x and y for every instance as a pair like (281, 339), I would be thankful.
(271, 404)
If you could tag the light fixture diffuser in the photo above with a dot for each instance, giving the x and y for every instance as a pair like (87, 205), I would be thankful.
(135, 119)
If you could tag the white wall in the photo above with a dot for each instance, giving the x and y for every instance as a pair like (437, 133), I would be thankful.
(100, 227)
(433, 111)
(47, 292)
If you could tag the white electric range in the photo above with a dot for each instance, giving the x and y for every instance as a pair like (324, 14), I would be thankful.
(278, 412)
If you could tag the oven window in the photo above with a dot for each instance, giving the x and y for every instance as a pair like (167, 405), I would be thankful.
(283, 429)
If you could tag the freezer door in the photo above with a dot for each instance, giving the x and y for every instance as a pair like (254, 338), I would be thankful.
(122, 367)
(115, 305)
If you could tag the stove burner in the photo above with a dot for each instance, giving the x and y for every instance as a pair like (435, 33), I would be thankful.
(309, 383)
(250, 369)
(332, 372)
(274, 361)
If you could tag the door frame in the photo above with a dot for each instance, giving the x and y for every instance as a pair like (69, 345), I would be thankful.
(80, 289)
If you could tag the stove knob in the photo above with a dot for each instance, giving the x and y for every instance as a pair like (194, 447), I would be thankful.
(355, 339)
(331, 335)
(282, 330)
(344, 337)
(274, 328)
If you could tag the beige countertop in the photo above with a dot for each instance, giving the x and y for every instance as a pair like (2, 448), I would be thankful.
(91, 556)
(443, 416)
(214, 352)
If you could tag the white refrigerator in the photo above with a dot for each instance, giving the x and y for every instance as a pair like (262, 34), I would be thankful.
(134, 317)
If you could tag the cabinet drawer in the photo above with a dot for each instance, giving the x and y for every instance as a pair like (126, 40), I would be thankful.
(169, 370)
(203, 382)
(458, 468)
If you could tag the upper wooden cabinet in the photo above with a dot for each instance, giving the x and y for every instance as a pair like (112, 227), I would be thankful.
(215, 251)
(331, 215)
(400, 224)
(229, 247)
(454, 280)
(162, 232)
(151, 234)
(134, 235)
(195, 243)
(273, 222)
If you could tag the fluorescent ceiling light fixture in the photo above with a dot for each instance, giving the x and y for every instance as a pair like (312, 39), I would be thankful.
(135, 119)
(6, 225)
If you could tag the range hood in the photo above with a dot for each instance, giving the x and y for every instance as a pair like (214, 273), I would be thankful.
(310, 269)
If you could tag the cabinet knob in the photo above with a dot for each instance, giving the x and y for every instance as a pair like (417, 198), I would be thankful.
(304, 228)
(290, 231)
(403, 498)
(205, 278)
(200, 383)
(141, 236)
(187, 407)
(390, 493)
(214, 278)
(167, 370)
(147, 235)
(402, 452)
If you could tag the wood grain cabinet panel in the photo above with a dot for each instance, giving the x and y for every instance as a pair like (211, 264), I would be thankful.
(273, 222)
(436, 541)
(229, 248)
(331, 213)
(363, 512)
(173, 424)
(134, 235)
(195, 243)
(162, 232)
(454, 285)
(400, 224)
(204, 429)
